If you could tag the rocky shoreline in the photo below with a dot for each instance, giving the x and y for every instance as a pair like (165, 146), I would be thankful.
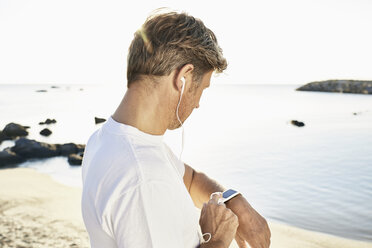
(25, 149)
(339, 86)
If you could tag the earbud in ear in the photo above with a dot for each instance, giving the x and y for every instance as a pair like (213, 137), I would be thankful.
(183, 79)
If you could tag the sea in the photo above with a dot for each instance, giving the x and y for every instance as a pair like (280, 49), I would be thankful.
(317, 177)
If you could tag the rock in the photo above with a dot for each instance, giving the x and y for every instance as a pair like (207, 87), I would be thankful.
(67, 149)
(27, 148)
(14, 130)
(357, 113)
(70, 148)
(9, 158)
(75, 159)
(81, 148)
(297, 123)
(48, 121)
(3, 137)
(45, 132)
(41, 91)
(99, 120)
(341, 86)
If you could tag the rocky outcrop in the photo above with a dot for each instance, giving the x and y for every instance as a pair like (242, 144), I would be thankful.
(48, 121)
(14, 130)
(45, 132)
(9, 158)
(99, 120)
(70, 148)
(31, 149)
(27, 149)
(297, 123)
(75, 159)
(3, 137)
(340, 86)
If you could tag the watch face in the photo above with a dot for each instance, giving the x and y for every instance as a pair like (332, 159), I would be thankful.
(228, 193)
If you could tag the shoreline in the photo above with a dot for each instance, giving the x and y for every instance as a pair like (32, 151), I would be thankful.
(36, 211)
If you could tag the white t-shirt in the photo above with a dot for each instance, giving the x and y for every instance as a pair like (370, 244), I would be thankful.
(133, 192)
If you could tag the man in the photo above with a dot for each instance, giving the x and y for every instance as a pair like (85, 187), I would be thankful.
(136, 192)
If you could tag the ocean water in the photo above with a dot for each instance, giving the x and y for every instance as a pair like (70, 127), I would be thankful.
(318, 177)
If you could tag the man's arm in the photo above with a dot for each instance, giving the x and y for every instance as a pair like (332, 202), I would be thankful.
(253, 228)
(200, 186)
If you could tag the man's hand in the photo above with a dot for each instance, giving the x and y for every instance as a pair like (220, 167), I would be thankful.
(218, 221)
(253, 228)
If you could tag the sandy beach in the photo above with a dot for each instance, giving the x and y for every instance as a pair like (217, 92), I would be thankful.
(36, 211)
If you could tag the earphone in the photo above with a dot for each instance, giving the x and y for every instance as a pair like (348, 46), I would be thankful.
(183, 85)
(179, 102)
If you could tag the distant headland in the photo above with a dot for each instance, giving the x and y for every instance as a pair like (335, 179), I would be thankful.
(339, 86)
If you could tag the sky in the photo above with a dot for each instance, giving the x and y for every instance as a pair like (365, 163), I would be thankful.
(264, 41)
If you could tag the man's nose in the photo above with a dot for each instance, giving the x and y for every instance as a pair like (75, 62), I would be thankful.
(197, 106)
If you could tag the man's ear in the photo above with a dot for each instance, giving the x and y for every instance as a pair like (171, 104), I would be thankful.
(184, 73)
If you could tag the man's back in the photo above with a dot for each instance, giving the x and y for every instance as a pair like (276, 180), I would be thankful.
(133, 192)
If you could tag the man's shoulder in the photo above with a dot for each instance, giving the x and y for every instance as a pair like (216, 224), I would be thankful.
(119, 163)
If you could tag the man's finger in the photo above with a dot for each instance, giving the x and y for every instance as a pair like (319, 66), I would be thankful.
(240, 241)
(220, 202)
(215, 196)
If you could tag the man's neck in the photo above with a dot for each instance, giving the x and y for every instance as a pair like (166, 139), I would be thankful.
(145, 108)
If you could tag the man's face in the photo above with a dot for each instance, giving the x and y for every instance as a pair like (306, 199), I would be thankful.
(190, 99)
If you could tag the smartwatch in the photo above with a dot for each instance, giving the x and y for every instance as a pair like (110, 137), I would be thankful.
(229, 194)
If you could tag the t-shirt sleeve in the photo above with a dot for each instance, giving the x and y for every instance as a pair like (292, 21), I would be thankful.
(175, 160)
(148, 216)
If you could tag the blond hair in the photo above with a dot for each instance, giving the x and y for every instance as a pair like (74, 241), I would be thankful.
(168, 41)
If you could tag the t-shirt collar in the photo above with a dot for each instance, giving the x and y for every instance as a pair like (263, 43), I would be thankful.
(120, 128)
